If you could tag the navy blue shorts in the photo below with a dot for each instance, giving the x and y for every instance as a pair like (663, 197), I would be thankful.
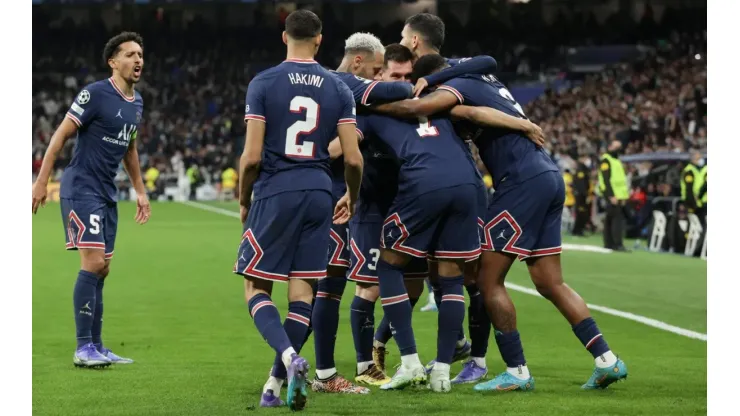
(524, 219)
(442, 223)
(365, 253)
(90, 224)
(286, 236)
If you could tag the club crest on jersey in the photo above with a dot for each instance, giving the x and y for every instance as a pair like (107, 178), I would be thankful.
(83, 97)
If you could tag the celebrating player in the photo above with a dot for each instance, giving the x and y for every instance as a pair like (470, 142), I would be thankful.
(424, 34)
(104, 116)
(523, 220)
(286, 163)
(363, 59)
(429, 215)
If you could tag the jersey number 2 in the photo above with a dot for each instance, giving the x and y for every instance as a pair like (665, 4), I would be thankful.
(307, 126)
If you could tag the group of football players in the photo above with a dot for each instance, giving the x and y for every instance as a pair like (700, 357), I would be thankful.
(383, 143)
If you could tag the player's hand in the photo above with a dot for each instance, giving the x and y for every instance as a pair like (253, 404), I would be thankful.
(38, 195)
(535, 134)
(421, 84)
(344, 210)
(243, 213)
(143, 209)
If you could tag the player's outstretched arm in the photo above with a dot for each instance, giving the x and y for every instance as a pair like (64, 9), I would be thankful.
(433, 103)
(133, 169)
(352, 163)
(482, 65)
(65, 130)
(249, 164)
(488, 117)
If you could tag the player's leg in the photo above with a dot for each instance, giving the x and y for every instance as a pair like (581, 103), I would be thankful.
(110, 228)
(547, 275)
(325, 317)
(513, 220)
(270, 237)
(364, 256)
(414, 276)
(479, 328)
(479, 325)
(84, 232)
(309, 261)
(456, 240)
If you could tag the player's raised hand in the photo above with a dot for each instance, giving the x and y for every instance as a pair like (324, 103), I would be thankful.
(143, 209)
(535, 134)
(421, 84)
(344, 210)
(38, 195)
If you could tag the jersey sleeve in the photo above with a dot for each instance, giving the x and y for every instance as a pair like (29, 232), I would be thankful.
(255, 103)
(482, 64)
(386, 91)
(347, 112)
(85, 106)
(459, 87)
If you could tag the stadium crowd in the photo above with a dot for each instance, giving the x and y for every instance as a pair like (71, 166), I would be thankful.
(194, 82)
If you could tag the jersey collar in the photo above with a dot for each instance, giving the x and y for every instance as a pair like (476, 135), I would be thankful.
(301, 61)
(115, 87)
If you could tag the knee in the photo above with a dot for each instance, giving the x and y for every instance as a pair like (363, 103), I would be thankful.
(95, 264)
(104, 273)
(548, 290)
(368, 292)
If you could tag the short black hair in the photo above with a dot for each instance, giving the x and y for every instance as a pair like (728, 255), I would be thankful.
(427, 64)
(113, 46)
(430, 27)
(397, 53)
(303, 24)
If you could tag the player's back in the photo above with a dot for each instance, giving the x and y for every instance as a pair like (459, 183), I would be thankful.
(107, 122)
(509, 156)
(365, 92)
(379, 180)
(431, 154)
(301, 104)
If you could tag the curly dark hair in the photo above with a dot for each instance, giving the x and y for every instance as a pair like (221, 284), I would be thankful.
(113, 46)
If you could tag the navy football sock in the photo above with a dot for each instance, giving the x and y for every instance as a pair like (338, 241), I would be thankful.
(450, 318)
(510, 346)
(97, 325)
(83, 299)
(267, 320)
(362, 319)
(479, 326)
(396, 306)
(384, 332)
(315, 288)
(326, 320)
(295, 325)
(591, 337)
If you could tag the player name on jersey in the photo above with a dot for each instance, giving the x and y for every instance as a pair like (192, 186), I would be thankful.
(306, 79)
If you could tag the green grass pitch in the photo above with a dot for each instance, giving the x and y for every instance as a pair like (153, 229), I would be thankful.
(172, 304)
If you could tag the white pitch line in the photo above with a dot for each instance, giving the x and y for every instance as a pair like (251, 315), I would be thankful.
(603, 309)
(626, 315)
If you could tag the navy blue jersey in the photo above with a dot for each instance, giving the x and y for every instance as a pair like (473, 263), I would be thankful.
(365, 92)
(291, 98)
(379, 180)
(107, 122)
(431, 154)
(508, 155)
